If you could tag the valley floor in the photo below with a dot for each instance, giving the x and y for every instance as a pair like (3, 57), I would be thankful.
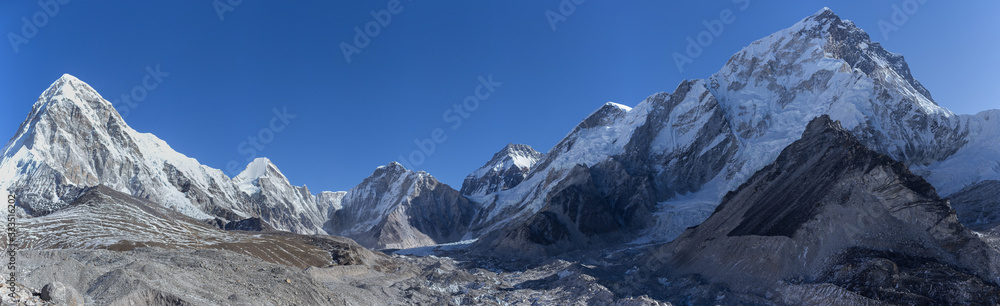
(153, 276)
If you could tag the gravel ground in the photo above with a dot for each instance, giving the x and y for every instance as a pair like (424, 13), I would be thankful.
(153, 276)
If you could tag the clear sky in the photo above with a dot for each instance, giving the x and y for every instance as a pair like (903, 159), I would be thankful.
(221, 78)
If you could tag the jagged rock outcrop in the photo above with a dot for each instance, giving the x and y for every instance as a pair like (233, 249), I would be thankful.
(831, 211)
(398, 208)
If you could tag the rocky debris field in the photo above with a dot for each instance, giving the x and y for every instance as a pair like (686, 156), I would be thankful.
(154, 276)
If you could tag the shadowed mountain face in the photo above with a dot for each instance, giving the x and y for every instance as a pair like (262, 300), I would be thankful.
(978, 206)
(398, 208)
(830, 210)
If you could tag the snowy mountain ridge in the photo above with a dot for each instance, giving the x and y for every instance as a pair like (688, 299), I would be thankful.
(74, 139)
(677, 154)
(654, 169)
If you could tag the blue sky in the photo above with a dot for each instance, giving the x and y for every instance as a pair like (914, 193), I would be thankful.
(221, 79)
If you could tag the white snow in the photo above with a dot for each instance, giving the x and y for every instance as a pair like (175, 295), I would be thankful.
(135, 163)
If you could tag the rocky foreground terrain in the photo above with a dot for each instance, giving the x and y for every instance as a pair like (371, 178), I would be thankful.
(152, 276)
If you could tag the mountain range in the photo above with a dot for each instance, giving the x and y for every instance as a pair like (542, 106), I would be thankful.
(813, 160)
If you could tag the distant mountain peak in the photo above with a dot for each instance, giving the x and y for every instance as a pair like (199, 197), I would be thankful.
(506, 169)
(259, 167)
(824, 13)
(607, 114)
(513, 149)
(618, 105)
(393, 165)
(826, 34)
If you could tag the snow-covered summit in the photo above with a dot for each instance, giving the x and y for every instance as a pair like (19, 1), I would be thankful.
(506, 169)
(259, 167)
(618, 105)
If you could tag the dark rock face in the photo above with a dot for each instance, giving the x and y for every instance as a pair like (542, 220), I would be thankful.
(908, 280)
(785, 205)
(590, 208)
(978, 206)
(831, 211)
(253, 224)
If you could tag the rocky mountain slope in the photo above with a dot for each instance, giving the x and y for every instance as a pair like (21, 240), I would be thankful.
(397, 208)
(281, 204)
(831, 211)
(978, 206)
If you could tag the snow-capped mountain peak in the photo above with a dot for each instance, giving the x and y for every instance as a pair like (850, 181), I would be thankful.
(618, 105)
(74, 139)
(393, 166)
(505, 170)
(259, 167)
(69, 100)
(69, 86)
(675, 155)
